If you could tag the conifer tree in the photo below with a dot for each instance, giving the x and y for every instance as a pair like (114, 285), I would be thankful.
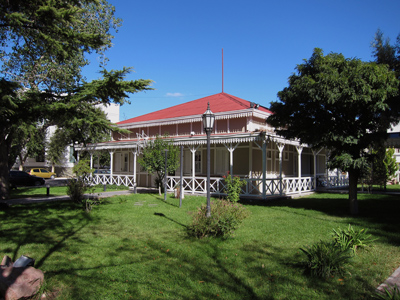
(44, 46)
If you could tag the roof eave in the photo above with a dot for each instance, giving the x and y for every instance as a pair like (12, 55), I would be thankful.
(197, 118)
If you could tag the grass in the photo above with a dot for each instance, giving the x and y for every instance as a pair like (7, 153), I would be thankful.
(136, 247)
(379, 188)
(41, 191)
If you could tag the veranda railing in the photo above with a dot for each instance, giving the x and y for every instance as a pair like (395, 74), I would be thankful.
(254, 186)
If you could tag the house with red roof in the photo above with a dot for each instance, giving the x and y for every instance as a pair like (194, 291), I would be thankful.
(241, 143)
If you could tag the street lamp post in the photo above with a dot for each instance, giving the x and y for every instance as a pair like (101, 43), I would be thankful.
(208, 124)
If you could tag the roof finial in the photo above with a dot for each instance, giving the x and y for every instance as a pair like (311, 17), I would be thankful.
(222, 69)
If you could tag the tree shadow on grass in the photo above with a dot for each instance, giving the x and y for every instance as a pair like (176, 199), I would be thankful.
(26, 228)
(258, 271)
(164, 216)
(378, 213)
(156, 266)
(285, 267)
(164, 269)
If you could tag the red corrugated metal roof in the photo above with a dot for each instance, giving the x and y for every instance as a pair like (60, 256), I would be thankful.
(221, 102)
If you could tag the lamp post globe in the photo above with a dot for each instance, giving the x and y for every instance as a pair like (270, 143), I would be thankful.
(208, 119)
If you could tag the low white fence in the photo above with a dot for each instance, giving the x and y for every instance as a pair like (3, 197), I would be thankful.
(126, 180)
(332, 181)
(254, 186)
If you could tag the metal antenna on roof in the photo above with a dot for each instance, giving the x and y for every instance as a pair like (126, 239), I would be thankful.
(222, 69)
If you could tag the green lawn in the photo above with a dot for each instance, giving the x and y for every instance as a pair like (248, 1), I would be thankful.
(378, 188)
(136, 247)
(41, 191)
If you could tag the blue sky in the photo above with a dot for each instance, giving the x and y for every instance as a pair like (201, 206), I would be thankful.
(178, 44)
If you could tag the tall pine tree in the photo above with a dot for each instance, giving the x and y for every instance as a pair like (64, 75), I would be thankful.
(44, 48)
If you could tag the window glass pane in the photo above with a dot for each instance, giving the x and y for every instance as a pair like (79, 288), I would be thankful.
(126, 162)
(197, 162)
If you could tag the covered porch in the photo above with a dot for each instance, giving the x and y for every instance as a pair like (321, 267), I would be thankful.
(270, 165)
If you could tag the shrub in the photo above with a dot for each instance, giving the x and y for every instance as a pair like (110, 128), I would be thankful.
(77, 187)
(352, 239)
(324, 259)
(233, 186)
(225, 219)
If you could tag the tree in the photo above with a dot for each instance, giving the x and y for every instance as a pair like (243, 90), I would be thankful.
(391, 166)
(340, 104)
(153, 158)
(384, 166)
(44, 47)
(385, 53)
(30, 143)
(86, 125)
(56, 147)
(388, 54)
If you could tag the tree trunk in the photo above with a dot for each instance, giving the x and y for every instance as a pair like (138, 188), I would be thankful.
(353, 179)
(4, 169)
(21, 162)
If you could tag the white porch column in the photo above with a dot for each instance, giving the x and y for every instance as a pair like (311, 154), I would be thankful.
(193, 150)
(91, 164)
(299, 150)
(280, 148)
(315, 154)
(230, 148)
(181, 187)
(264, 169)
(328, 182)
(111, 163)
(263, 147)
(250, 159)
(134, 167)
(91, 160)
(337, 176)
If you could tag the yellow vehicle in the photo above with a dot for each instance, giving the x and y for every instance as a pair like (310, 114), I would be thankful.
(42, 173)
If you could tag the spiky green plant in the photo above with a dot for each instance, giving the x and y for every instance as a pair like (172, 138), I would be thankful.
(351, 238)
(324, 259)
(389, 294)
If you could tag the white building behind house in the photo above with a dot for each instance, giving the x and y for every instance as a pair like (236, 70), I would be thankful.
(65, 166)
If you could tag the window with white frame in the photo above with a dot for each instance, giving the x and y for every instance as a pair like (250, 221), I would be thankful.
(126, 162)
(286, 155)
(222, 161)
(197, 162)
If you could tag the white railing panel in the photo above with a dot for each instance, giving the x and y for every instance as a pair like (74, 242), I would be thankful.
(253, 187)
(126, 180)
